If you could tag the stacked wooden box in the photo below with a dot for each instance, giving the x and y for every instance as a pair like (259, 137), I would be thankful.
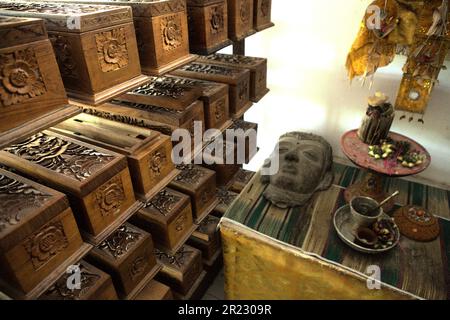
(92, 205)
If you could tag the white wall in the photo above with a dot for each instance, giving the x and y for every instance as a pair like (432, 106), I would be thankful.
(310, 91)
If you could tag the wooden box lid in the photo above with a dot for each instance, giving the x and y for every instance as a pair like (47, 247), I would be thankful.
(164, 92)
(233, 59)
(164, 207)
(191, 176)
(203, 3)
(120, 244)
(226, 198)
(181, 261)
(141, 8)
(163, 115)
(119, 137)
(92, 281)
(129, 115)
(210, 90)
(68, 17)
(211, 72)
(25, 206)
(15, 31)
(69, 165)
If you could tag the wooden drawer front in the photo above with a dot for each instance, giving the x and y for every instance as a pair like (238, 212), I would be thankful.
(171, 33)
(103, 206)
(95, 285)
(217, 112)
(20, 103)
(179, 226)
(43, 251)
(145, 42)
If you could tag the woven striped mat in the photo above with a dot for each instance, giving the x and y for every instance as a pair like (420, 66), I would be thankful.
(422, 269)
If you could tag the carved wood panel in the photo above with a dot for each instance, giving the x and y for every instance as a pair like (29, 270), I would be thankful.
(112, 52)
(110, 197)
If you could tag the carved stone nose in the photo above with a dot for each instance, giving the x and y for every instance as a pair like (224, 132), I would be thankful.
(292, 156)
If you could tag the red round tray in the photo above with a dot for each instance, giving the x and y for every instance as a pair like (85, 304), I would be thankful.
(357, 152)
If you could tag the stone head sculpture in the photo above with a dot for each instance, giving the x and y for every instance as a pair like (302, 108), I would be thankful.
(305, 167)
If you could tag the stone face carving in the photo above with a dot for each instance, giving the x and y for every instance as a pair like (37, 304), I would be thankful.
(20, 77)
(305, 167)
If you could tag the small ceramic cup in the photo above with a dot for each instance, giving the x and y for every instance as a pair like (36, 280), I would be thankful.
(360, 208)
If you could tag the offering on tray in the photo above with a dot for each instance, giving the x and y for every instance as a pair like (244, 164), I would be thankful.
(397, 150)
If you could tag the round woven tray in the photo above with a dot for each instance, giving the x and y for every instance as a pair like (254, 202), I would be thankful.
(417, 223)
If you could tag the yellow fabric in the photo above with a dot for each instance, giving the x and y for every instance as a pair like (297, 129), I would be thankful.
(369, 52)
(258, 268)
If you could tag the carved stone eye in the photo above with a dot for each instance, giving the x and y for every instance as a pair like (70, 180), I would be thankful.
(414, 95)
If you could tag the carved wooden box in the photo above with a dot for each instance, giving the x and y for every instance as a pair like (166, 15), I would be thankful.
(241, 179)
(262, 14)
(226, 198)
(200, 184)
(237, 79)
(224, 164)
(95, 285)
(257, 67)
(180, 271)
(95, 46)
(215, 101)
(240, 19)
(164, 92)
(30, 82)
(97, 181)
(168, 217)
(245, 132)
(161, 32)
(38, 233)
(207, 239)
(172, 118)
(148, 152)
(208, 25)
(127, 255)
(155, 290)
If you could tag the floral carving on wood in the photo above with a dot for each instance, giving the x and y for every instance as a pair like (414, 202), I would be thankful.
(157, 162)
(163, 202)
(171, 32)
(180, 223)
(110, 197)
(138, 266)
(120, 242)
(20, 77)
(46, 243)
(64, 57)
(217, 19)
(61, 156)
(15, 198)
(112, 50)
(209, 69)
